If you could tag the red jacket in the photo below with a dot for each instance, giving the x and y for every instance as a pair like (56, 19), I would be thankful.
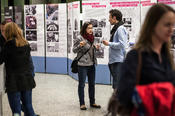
(158, 99)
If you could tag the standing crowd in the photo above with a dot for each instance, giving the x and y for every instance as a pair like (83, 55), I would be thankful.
(148, 68)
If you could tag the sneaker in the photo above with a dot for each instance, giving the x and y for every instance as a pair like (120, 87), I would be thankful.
(95, 106)
(83, 107)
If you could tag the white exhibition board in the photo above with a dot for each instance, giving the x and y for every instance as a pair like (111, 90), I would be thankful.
(34, 28)
(96, 12)
(73, 26)
(131, 16)
(56, 26)
(145, 5)
(69, 29)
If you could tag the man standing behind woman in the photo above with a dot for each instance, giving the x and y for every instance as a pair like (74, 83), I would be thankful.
(19, 70)
(84, 45)
(117, 45)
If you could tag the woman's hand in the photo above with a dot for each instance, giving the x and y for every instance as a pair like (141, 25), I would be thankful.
(97, 46)
(82, 43)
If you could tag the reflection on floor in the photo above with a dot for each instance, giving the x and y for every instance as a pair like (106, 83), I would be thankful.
(56, 95)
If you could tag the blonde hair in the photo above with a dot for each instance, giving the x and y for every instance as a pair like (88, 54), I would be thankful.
(144, 42)
(13, 31)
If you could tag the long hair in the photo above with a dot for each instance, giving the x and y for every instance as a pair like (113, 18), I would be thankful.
(13, 31)
(153, 16)
(84, 27)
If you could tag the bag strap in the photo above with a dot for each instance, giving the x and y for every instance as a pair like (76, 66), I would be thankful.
(139, 67)
(84, 53)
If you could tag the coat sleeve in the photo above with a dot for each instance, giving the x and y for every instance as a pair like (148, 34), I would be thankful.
(77, 48)
(127, 80)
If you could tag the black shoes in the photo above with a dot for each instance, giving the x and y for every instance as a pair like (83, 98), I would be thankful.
(95, 106)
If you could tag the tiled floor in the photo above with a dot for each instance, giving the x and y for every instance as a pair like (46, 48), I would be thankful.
(56, 95)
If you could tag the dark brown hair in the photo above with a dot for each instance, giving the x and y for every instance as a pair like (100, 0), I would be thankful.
(84, 27)
(3, 22)
(116, 13)
(153, 16)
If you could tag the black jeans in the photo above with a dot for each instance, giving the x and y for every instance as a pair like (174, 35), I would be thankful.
(115, 71)
(84, 71)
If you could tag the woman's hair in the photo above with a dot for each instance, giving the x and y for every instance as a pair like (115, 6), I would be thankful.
(153, 16)
(84, 27)
(13, 31)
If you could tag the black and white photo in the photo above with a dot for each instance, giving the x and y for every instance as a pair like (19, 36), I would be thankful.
(52, 37)
(52, 26)
(33, 46)
(52, 12)
(31, 22)
(30, 10)
(31, 35)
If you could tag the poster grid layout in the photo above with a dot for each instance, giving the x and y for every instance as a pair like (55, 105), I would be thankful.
(34, 28)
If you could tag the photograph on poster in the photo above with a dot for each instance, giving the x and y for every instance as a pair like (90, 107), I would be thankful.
(30, 10)
(75, 24)
(69, 36)
(31, 22)
(127, 23)
(52, 47)
(76, 34)
(102, 23)
(31, 35)
(52, 26)
(98, 26)
(94, 22)
(52, 12)
(52, 37)
(98, 32)
(33, 46)
(100, 53)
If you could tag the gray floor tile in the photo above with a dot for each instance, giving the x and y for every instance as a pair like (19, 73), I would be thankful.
(56, 95)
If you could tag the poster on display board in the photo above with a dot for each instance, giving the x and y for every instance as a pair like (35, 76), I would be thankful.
(8, 14)
(131, 16)
(34, 28)
(56, 26)
(96, 12)
(75, 22)
(16, 17)
(69, 29)
(171, 3)
(145, 5)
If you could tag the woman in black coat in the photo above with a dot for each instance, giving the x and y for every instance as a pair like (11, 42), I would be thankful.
(19, 70)
(156, 59)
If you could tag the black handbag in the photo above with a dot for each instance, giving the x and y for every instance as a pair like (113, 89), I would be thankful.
(74, 65)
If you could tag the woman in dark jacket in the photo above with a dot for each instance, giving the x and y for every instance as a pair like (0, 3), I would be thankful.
(19, 70)
(154, 46)
(86, 65)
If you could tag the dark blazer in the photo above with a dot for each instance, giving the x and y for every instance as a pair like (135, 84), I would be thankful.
(151, 71)
(19, 67)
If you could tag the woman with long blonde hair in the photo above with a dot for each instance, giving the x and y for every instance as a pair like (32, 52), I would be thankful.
(19, 70)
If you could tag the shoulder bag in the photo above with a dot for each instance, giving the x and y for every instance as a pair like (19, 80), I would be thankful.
(74, 65)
